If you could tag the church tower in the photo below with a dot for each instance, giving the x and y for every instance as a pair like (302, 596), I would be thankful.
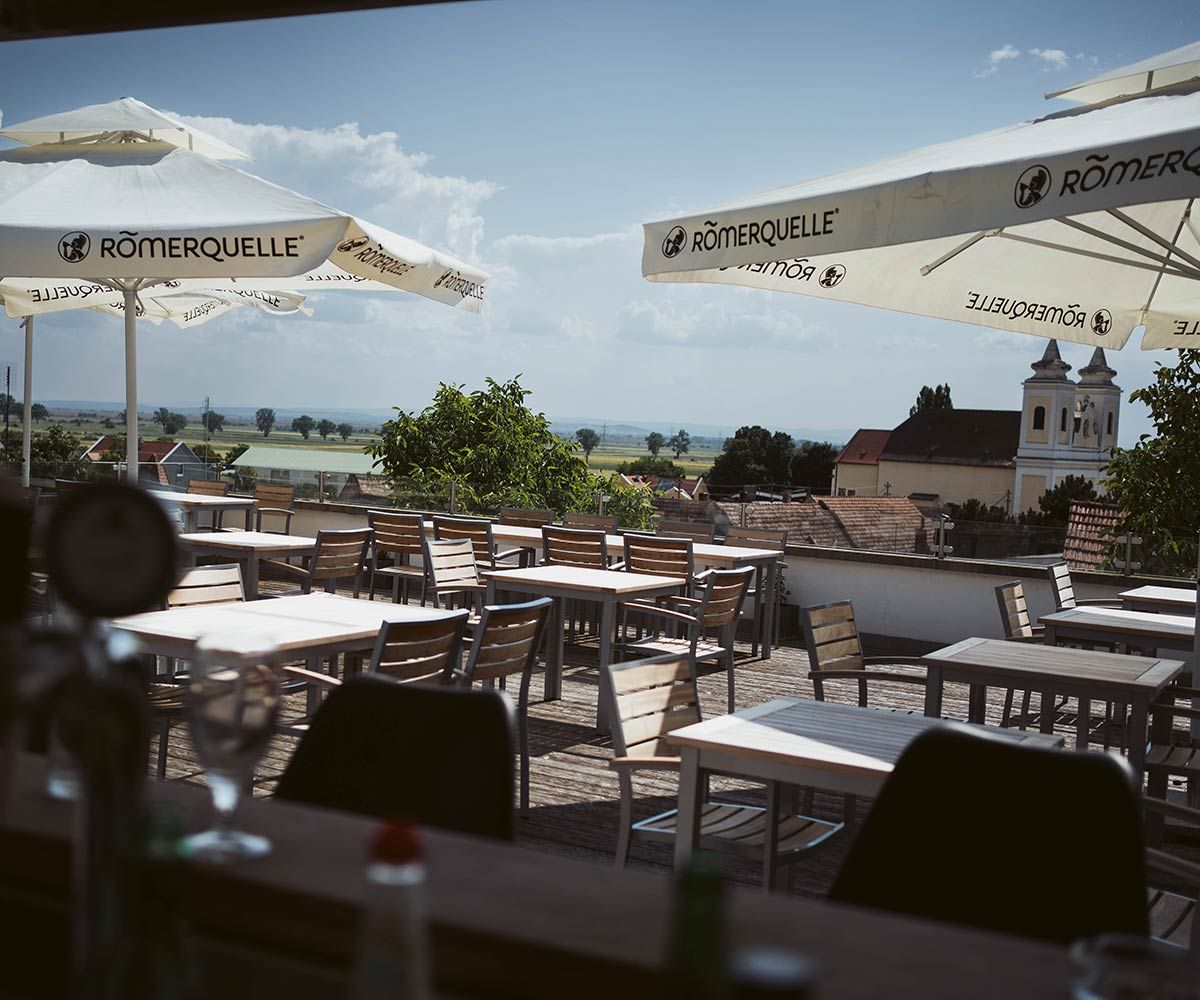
(1097, 408)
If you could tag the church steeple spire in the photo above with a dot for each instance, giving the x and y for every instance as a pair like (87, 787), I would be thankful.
(1097, 371)
(1051, 368)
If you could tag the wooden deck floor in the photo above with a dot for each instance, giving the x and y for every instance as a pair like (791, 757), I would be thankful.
(573, 792)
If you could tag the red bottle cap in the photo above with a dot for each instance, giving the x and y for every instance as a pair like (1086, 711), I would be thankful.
(398, 842)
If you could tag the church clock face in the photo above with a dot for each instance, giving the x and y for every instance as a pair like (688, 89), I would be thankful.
(111, 551)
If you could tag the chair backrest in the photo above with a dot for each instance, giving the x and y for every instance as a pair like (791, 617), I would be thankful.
(274, 495)
(217, 584)
(966, 815)
(649, 699)
(397, 534)
(700, 532)
(724, 593)
(477, 530)
(451, 561)
(340, 555)
(208, 487)
(757, 538)
(831, 635)
(598, 522)
(658, 556)
(436, 756)
(525, 518)
(1060, 586)
(1014, 612)
(574, 547)
(419, 650)
(506, 640)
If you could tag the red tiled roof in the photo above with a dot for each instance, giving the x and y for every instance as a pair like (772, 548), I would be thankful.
(865, 447)
(883, 524)
(957, 437)
(99, 446)
(1090, 527)
(804, 521)
(379, 487)
(155, 451)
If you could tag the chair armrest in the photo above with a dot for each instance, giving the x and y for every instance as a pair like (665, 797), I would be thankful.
(1099, 602)
(693, 602)
(1037, 637)
(1168, 708)
(286, 514)
(312, 675)
(653, 763)
(654, 609)
(883, 661)
(617, 566)
(864, 675)
(1175, 809)
(511, 553)
(1173, 865)
(287, 569)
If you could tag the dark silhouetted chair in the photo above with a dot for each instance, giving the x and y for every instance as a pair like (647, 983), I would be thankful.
(967, 817)
(436, 756)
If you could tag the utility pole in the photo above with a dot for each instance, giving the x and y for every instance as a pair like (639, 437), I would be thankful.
(204, 420)
(7, 402)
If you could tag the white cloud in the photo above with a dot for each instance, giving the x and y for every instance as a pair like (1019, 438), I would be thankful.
(997, 58)
(1053, 58)
(1047, 59)
(717, 324)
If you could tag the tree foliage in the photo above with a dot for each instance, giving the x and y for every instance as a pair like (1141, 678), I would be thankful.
(648, 465)
(264, 420)
(654, 443)
(754, 455)
(974, 509)
(1156, 483)
(936, 398)
(38, 412)
(303, 425)
(212, 421)
(812, 465)
(161, 416)
(325, 427)
(174, 423)
(588, 439)
(56, 453)
(1055, 504)
(679, 442)
(345, 430)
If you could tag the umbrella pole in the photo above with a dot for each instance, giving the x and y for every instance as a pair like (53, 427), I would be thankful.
(131, 416)
(26, 421)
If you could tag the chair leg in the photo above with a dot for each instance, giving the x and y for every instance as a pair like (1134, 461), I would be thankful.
(1006, 715)
(523, 735)
(371, 586)
(729, 671)
(164, 734)
(395, 591)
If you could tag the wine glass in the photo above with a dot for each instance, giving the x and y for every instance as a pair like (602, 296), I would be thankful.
(233, 700)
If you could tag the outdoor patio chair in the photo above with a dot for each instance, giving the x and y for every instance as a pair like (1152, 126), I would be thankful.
(203, 586)
(717, 610)
(337, 557)
(1172, 915)
(762, 538)
(479, 531)
(521, 518)
(1064, 592)
(609, 523)
(658, 555)
(583, 548)
(653, 697)
(437, 756)
(1179, 755)
(700, 532)
(505, 644)
(451, 569)
(398, 537)
(209, 488)
(967, 816)
(272, 500)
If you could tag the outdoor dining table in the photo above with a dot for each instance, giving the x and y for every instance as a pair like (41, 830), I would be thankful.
(1169, 600)
(608, 588)
(794, 741)
(248, 548)
(1079, 673)
(1137, 629)
(193, 504)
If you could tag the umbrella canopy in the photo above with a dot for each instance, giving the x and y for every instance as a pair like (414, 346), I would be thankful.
(1169, 69)
(1078, 226)
(126, 120)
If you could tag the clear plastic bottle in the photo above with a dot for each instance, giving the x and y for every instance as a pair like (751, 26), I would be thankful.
(393, 959)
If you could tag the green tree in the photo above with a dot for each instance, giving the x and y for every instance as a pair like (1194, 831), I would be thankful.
(345, 430)
(634, 507)
(647, 465)
(325, 427)
(974, 509)
(56, 453)
(499, 451)
(212, 421)
(1156, 483)
(937, 398)
(206, 453)
(237, 451)
(303, 425)
(588, 439)
(161, 416)
(654, 443)
(1055, 503)
(174, 423)
(264, 420)
(679, 442)
(754, 455)
(38, 412)
(812, 465)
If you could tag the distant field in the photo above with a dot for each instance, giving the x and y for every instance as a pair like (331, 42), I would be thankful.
(607, 457)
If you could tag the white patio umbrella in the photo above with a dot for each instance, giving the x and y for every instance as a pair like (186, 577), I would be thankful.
(1158, 73)
(184, 309)
(132, 215)
(1078, 226)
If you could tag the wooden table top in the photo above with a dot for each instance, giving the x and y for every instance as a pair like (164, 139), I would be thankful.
(1121, 622)
(598, 581)
(821, 735)
(244, 540)
(293, 623)
(1027, 661)
(1181, 597)
(200, 499)
(505, 920)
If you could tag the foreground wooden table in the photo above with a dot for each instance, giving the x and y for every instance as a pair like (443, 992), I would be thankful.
(193, 503)
(1077, 673)
(505, 921)
(248, 548)
(1171, 600)
(819, 744)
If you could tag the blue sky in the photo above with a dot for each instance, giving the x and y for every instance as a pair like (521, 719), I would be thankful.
(534, 138)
